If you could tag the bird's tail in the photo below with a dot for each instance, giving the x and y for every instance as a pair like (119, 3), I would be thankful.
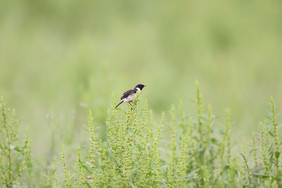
(119, 103)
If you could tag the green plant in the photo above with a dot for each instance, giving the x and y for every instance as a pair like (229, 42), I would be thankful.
(180, 151)
(15, 151)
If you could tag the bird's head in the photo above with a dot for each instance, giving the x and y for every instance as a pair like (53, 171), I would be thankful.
(140, 86)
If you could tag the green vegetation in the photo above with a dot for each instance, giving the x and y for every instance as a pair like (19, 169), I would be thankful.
(15, 159)
(179, 151)
(57, 55)
(60, 59)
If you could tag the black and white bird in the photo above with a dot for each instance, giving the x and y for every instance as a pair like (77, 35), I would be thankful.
(129, 95)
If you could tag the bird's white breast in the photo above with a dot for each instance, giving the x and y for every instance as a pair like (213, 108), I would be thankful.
(130, 98)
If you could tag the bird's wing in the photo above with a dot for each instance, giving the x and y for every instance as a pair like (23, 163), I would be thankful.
(127, 93)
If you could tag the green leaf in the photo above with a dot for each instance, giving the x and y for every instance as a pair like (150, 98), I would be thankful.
(84, 166)
(271, 134)
(277, 154)
(271, 158)
(17, 148)
(88, 185)
(214, 140)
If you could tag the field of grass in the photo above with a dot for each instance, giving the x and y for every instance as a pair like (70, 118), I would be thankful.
(60, 59)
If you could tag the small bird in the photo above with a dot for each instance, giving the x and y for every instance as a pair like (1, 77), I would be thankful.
(129, 95)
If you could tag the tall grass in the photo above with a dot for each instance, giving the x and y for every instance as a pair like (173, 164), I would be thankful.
(178, 151)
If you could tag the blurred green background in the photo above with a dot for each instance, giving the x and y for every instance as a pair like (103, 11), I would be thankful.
(60, 58)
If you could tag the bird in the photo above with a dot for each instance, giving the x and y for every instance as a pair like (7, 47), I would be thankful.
(129, 95)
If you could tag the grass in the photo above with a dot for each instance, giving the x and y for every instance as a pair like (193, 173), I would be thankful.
(178, 151)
